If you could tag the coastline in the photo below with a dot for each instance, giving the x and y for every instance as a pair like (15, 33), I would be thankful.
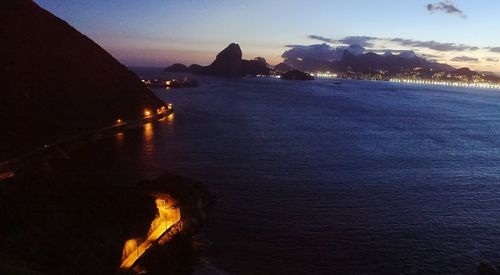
(65, 145)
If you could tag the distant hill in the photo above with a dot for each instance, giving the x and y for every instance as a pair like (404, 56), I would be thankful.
(367, 63)
(56, 81)
(228, 62)
(178, 67)
(309, 64)
(282, 68)
(372, 62)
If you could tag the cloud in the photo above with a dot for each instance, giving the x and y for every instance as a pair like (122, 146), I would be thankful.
(356, 49)
(318, 52)
(492, 59)
(495, 49)
(368, 42)
(385, 50)
(433, 45)
(295, 46)
(447, 7)
(363, 41)
(465, 59)
(321, 38)
(431, 56)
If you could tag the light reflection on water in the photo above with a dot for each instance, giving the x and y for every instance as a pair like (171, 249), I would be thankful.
(148, 134)
(119, 137)
(170, 118)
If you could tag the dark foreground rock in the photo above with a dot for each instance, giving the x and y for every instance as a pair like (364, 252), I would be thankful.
(66, 222)
(57, 82)
(296, 75)
(488, 269)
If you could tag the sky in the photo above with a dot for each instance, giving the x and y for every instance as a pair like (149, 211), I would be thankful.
(462, 33)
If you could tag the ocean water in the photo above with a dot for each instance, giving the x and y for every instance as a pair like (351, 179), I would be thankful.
(331, 176)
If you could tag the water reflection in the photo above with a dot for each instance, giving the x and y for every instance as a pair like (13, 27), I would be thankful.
(119, 138)
(148, 133)
(170, 119)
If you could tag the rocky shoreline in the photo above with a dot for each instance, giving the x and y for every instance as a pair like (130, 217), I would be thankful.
(63, 221)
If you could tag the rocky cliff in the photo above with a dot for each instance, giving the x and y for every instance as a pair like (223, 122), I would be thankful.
(55, 81)
(228, 62)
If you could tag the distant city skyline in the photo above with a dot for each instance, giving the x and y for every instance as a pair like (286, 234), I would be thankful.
(158, 33)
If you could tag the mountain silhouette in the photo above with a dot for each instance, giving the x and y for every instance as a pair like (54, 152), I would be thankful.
(57, 82)
(229, 62)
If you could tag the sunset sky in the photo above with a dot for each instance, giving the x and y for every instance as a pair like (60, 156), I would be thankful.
(161, 32)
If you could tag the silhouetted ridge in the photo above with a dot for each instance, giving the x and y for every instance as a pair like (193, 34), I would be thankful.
(56, 81)
(356, 59)
(228, 62)
(177, 68)
(371, 62)
(282, 68)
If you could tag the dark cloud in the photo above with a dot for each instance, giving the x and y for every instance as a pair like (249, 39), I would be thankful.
(318, 51)
(465, 59)
(363, 41)
(385, 50)
(356, 49)
(433, 45)
(492, 59)
(295, 46)
(367, 42)
(447, 7)
(495, 49)
(431, 56)
(321, 38)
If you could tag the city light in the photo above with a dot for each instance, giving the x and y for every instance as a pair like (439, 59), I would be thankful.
(324, 75)
(147, 112)
(446, 83)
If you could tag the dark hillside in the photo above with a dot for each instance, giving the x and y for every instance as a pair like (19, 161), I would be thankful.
(55, 81)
